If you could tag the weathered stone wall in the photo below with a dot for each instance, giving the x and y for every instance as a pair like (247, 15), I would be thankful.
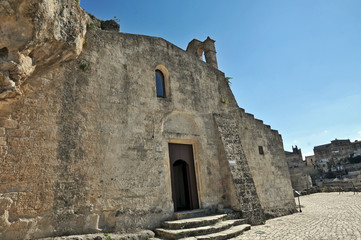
(269, 170)
(300, 179)
(85, 147)
(335, 151)
(243, 183)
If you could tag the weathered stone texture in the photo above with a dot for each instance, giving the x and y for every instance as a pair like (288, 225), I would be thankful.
(82, 144)
(36, 34)
(85, 148)
(110, 25)
(241, 175)
(269, 170)
(300, 179)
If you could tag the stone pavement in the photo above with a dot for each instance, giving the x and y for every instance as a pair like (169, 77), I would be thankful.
(324, 216)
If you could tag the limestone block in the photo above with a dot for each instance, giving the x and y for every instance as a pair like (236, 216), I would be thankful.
(2, 131)
(3, 150)
(5, 204)
(5, 110)
(3, 141)
(8, 123)
(92, 223)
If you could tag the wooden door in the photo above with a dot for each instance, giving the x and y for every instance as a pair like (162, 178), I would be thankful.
(184, 184)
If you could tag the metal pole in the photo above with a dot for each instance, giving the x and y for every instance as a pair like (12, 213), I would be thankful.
(299, 204)
(298, 195)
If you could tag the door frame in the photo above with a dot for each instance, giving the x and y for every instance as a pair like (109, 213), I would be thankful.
(194, 144)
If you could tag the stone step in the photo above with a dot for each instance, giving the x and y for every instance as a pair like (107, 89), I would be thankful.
(191, 214)
(181, 233)
(226, 234)
(141, 234)
(193, 222)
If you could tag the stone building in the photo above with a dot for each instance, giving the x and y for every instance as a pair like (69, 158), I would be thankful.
(310, 160)
(108, 131)
(333, 156)
(294, 158)
(299, 177)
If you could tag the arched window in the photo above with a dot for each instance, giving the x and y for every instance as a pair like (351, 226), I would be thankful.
(160, 84)
(200, 53)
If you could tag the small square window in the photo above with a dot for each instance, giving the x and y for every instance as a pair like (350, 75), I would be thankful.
(260, 150)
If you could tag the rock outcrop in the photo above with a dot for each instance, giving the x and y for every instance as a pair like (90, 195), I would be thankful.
(35, 34)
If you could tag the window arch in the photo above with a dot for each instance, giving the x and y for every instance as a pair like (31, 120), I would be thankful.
(200, 53)
(159, 80)
(162, 82)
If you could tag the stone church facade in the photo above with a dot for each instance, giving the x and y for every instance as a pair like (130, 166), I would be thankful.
(119, 131)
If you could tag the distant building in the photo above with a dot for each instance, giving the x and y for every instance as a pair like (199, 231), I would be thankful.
(294, 158)
(323, 164)
(340, 159)
(296, 166)
(334, 155)
(357, 148)
(310, 160)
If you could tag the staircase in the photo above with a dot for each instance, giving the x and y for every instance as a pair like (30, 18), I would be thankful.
(189, 225)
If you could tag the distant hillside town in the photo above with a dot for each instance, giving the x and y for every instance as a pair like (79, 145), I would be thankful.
(334, 166)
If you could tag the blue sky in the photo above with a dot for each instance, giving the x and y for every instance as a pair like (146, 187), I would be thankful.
(295, 64)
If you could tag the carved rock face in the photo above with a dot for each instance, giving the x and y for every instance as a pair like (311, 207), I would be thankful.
(34, 35)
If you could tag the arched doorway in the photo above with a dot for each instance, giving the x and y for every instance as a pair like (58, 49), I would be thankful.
(184, 186)
(181, 185)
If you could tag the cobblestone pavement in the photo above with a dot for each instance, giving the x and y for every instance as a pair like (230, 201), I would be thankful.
(324, 216)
